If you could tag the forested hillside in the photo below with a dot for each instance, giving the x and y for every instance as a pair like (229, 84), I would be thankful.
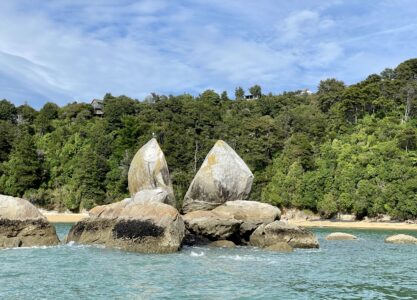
(343, 149)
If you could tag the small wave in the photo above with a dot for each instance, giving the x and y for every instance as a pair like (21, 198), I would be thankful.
(238, 257)
(197, 254)
(31, 247)
(73, 244)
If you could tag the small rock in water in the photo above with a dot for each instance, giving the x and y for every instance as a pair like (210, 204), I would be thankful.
(340, 236)
(401, 239)
(280, 247)
(222, 244)
(279, 231)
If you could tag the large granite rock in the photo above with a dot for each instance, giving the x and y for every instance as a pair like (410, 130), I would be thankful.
(251, 213)
(147, 227)
(401, 239)
(22, 225)
(209, 226)
(148, 176)
(222, 177)
(279, 231)
(340, 236)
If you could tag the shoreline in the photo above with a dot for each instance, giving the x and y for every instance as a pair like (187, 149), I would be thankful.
(73, 218)
(354, 224)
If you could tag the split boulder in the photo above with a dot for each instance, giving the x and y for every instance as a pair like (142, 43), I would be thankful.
(222, 177)
(148, 176)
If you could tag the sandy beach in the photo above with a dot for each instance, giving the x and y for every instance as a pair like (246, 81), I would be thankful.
(64, 217)
(355, 224)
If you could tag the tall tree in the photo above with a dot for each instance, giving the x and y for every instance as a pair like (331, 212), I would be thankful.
(23, 170)
(256, 91)
(239, 93)
(8, 111)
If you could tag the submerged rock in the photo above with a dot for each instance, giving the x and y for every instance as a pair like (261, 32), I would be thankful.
(280, 247)
(251, 213)
(401, 239)
(22, 225)
(340, 236)
(210, 226)
(223, 244)
(279, 231)
(148, 176)
(147, 227)
(222, 177)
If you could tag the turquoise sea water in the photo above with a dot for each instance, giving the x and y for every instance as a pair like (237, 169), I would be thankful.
(363, 269)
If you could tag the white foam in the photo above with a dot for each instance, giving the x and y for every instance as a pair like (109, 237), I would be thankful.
(32, 247)
(197, 254)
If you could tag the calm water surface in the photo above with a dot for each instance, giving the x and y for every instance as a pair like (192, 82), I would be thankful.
(363, 269)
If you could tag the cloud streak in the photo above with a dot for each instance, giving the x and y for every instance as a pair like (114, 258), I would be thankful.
(78, 50)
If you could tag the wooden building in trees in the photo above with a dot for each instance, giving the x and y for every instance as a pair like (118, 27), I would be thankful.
(98, 107)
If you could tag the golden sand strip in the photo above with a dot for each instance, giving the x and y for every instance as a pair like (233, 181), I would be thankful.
(65, 218)
(359, 225)
(72, 218)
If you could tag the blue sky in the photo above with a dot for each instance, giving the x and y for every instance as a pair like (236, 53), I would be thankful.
(76, 50)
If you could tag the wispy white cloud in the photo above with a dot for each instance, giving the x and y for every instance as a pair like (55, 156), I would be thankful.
(77, 50)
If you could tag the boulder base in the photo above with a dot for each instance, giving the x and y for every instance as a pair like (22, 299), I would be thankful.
(278, 231)
(22, 225)
(147, 227)
(401, 239)
(222, 177)
(162, 195)
(339, 236)
(251, 213)
(211, 226)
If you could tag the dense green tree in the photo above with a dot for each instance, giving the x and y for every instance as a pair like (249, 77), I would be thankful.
(407, 70)
(8, 111)
(115, 108)
(47, 114)
(7, 133)
(26, 114)
(23, 169)
(329, 92)
(256, 91)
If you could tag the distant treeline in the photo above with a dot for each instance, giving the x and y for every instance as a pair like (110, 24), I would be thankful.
(349, 149)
